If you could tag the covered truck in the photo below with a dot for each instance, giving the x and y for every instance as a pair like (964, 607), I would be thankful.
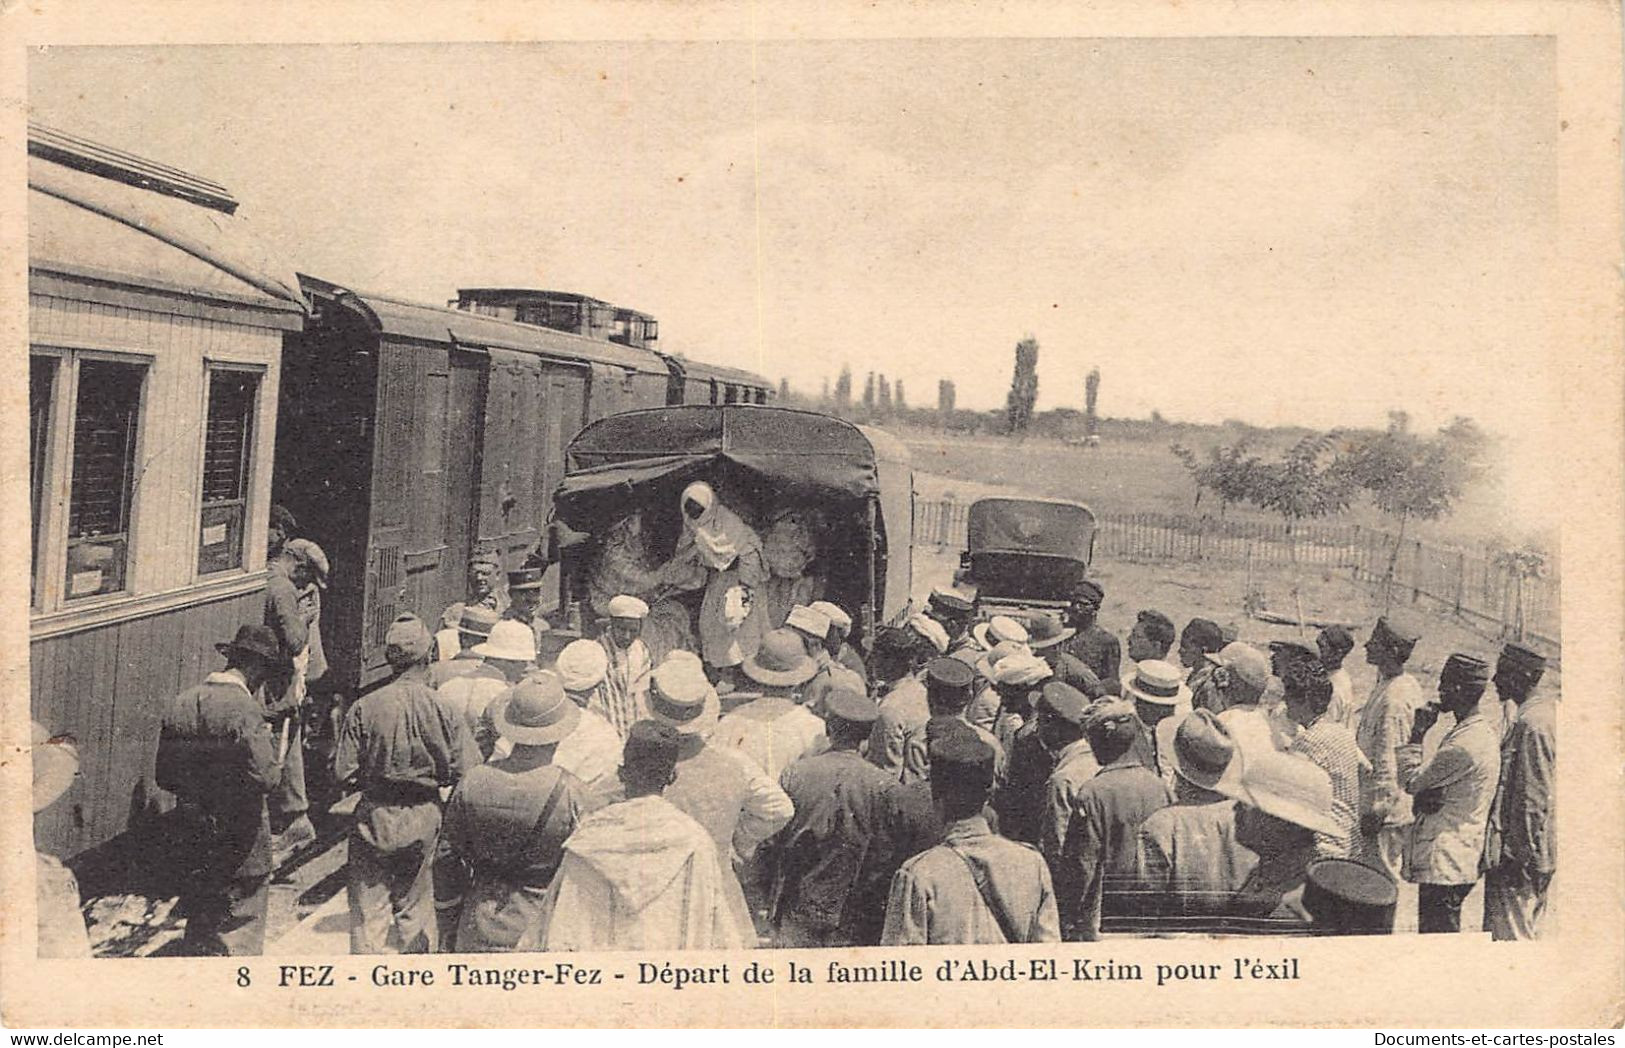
(853, 482)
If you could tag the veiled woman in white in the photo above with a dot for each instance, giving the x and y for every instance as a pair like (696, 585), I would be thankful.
(720, 552)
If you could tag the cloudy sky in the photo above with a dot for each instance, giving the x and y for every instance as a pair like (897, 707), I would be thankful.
(1278, 230)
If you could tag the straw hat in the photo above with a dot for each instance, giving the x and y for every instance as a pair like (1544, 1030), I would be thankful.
(625, 606)
(1158, 683)
(536, 712)
(998, 629)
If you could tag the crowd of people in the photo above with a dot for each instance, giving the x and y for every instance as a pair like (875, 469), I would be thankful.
(1023, 777)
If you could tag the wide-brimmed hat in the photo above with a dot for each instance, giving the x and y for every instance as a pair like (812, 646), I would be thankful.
(1158, 683)
(781, 661)
(581, 665)
(998, 629)
(680, 695)
(253, 640)
(536, 712)
(477, 620)
(808, 621)
(1046, 631)
(1205, 755)
(56, 763)
(1291, 788)
(510, 639)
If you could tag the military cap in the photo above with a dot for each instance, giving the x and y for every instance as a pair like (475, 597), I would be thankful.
(1528, 661)
(948, 673)
(960, 760)
(850, 706)
(526, 578)
(1063, 700)
(1349, 898)
(1468, 669)
(1088, 591)
(950, 604)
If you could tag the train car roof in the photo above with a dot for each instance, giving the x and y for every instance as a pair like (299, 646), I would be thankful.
(701, 369)
(528, 292)
(98, 213)
(400, 318)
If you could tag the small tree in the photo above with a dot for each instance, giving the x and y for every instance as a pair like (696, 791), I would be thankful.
(1307, 482)
(843, 390)
(1091, 396)
(784, 390)
(1018, 406)
(945, 401)
(883, 397)
(898, 400)
(869, 393)
(1230, 473)
(1411, 477)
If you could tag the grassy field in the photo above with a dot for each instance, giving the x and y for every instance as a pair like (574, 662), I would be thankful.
(1124, 477)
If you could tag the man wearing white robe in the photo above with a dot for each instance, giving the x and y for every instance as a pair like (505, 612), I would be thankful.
(640, 874)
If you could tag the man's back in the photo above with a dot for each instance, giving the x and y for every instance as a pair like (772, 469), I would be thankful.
(1188, 861)
(215, 754)
(837, 855)
(512, 821)
(723, 791)
(637, 875)
(903, 715)
(401, 735)
(935, 898)
(772, 731)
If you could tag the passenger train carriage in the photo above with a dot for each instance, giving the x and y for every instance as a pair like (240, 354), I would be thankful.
(155, 339)
(182, 381)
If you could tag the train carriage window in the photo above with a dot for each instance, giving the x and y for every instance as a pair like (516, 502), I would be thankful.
(228, 438)
(42, 372)
(102, 472)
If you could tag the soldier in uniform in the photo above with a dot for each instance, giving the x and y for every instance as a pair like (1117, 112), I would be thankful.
(1092, 645)
(974, 887)
(525, 592)
(216, 755)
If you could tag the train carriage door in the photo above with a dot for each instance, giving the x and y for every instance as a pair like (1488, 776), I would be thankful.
(562, 416)
(509, 515)
(387, 586)
(465, 417)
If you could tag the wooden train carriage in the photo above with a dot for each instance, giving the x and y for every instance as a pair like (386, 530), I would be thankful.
(696, 382)
(155, 336)
(411, 433)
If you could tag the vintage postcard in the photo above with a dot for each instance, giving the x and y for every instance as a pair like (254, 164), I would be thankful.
(691, 514)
